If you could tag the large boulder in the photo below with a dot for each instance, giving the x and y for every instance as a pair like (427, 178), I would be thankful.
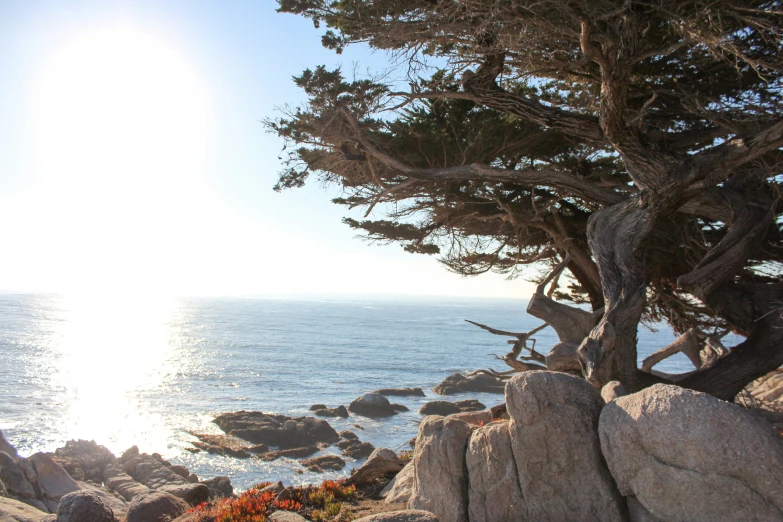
(151, 472)
(554, 437)
(7, 447)
(15, 511)
(400, 488)
(440, 481)
(372, 405)
(52, 480)
(83, 506)
(381, 462)
(458, 383)
(155, 506)
(277, 430)
(407, 515)
(666, 440)
(114, 501)
(494, 494)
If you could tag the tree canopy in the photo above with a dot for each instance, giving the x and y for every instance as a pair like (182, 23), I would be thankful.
(636, 144)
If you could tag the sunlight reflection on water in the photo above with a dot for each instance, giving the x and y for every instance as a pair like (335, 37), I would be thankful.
(106, 351)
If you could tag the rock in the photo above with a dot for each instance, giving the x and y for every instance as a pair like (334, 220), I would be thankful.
(83, 459)
(439, 408)
(155, 506)
(276, 430)
(348, 435)
(554, 438)
(6, 447)
(372, 405)
(385, 453)
(459, 383)
(324, 462)
(15, 511)
(356, 449)
(83, 506)
(399, 407)
(3, 491)
(401, 392)
(637, 512)
(408, 515)
(192, 478)
(119, 481)
(401, 487)
(382, 462)
(193, 494)
(765, 392)
(182, 471)
(469, 405)
(53, 480)
(151, 472)
(474, 418)
(221, 484)
(562, 358)
(114, 501)
(226, 445)
(493, 493)
(293, 453)
(440, 481)
(612, 390)
(666, 440)
(316, 407)
(13, 477)
(339, 411)
(286, 516)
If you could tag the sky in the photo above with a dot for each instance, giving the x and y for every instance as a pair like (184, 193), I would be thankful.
(133, 158)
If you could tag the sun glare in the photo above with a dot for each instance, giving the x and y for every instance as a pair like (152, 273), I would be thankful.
(121, 131)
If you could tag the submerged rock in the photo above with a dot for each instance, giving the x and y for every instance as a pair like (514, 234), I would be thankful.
(401, 392)
(666, 440)
(276, 430)
(293, 453)
(226, 445)
(339, 411)
(372, 405)
(324, 462)
(458, 383)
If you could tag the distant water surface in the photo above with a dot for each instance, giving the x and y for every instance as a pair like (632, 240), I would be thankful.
(147, 371)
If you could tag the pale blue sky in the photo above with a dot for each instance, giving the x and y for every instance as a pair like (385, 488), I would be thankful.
(132, 157)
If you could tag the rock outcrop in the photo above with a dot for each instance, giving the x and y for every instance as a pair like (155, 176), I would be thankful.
(276, 430)
(440, 482)
(666, 440)
(494, 494)
(458, 383)
(83, 460)
(372, 405)
(554, 436)
(323, 463)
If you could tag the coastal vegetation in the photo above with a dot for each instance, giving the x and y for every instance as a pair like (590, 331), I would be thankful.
(632, 146)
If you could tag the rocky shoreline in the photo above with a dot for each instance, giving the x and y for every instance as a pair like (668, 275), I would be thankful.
(559, 450)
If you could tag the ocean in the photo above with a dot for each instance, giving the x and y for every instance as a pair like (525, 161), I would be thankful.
(146, 371)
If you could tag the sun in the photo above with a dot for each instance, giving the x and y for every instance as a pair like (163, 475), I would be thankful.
(121, 133)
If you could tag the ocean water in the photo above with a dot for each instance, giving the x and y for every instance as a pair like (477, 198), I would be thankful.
(146, 371)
